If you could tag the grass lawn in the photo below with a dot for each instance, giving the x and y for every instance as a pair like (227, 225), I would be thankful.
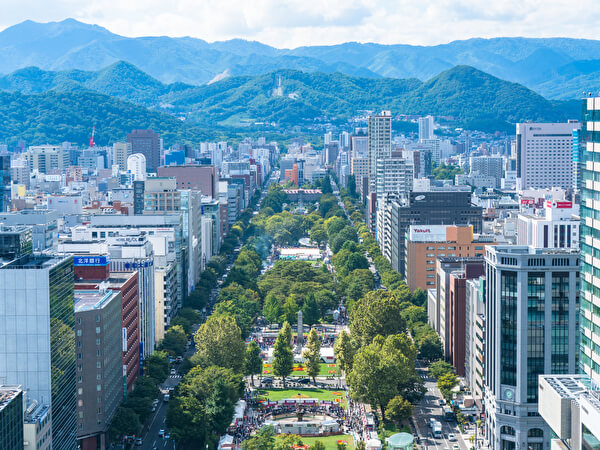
(330, 442)
(325, 370)
(319, 394)
(392, 428)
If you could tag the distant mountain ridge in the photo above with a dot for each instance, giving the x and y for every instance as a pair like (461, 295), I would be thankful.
(558, 68)
(473, 98)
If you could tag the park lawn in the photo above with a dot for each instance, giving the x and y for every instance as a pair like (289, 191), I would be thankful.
(319, 394)
(330, 442)
(324, 370)
(392, 428)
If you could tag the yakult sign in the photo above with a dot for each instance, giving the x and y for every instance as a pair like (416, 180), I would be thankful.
(427, 233)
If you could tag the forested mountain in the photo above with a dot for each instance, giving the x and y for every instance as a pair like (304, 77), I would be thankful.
(558, 68)
(471, 98)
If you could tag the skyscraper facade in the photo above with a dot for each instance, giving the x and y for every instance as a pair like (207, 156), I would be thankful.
(37, 328)
(532, 303)
(5, 177)
(426, 128)
(146, 142)
(590, 232)
(380, 143)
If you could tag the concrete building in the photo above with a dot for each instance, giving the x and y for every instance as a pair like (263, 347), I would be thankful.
(447, 309)
(570, 405)
(136, 165)
(37, 329)
(196, 178)
(474, 338)
(394, 175)
(545, 154)
(11, 418)
(44, 224)
(161, 196)
(532, 305)
(556, 226)
(121, 152)
(37, 428)
(99, 369)
(15, 242)
(47, 159)
(431, 147)
(148, 143)
(490, 166)
(380, 143)
(425, 243)
(426, 127)
(434, 207)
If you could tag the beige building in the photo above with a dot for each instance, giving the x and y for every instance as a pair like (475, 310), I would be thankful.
(121, 151)
(425, 243)
(47, 158)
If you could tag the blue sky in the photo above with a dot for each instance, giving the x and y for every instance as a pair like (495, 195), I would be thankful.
(286, 23)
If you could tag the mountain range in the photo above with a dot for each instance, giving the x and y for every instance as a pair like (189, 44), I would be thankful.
(464, 95)
(557, 68)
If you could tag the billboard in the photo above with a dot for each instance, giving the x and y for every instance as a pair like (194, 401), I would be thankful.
(90, 261)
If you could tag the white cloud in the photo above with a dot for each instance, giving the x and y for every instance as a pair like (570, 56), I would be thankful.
(292, 23)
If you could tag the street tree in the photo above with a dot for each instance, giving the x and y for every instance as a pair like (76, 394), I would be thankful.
(219, 342)
(283, 356)
(312, 355)
(440, 368)
(174, 341)
(124, 423)
(344, 351)
(252, 362)
(157, 366)
(446, 383)
(398, 409)
(310, 310)
(377, 313)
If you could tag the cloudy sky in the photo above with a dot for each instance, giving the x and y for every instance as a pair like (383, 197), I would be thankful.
(292, 23)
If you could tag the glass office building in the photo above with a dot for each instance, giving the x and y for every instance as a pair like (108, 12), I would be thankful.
(37, 325)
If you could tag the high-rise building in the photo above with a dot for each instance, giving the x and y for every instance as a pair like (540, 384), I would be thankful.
(37, 329)
(47, 158)
(556, 227)
(136, 165)
(44, 224)
(434, 207)
(380, 143)
(146, 142)
(11, 418)
(394, 175)
(359, 145)
(121, 151)
(532, 304)
(490, 166)
(194, 177)
(545, 155)
(99, 368)
(5, 177)
(426, 127)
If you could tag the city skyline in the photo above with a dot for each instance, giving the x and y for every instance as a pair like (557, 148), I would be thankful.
(293, 24)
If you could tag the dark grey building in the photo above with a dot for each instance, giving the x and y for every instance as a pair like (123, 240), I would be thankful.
(11, 418)
(146, 142)
(5, 177)
(435, 207)
(15, 242)
(99, 368)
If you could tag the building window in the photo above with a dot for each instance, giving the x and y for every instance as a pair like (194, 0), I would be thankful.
(535, 432)
(508, 348)
(535, 332)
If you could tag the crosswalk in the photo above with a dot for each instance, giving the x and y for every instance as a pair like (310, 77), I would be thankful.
(174, 376)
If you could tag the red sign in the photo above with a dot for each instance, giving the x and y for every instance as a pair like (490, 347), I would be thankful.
(421, 230)
(564, 204)
(527, 201)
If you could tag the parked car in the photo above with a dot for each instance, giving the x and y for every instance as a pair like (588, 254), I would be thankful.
(451, 437)
(303, 380)
(161, 433)
(139, 442)
(173, 372)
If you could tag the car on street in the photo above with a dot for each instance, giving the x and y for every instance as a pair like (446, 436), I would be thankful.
(161, 432)
(455, 447)
(451, 437)
(303, 380)
(139, 442)
(173, 372)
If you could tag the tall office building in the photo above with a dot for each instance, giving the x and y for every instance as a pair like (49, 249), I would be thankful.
(590, 232)
(490, 166)
(532, 304)
(11, 418)
(37, 329)
(146, 142)
(545, 155)
(136, 164)
(5, 177)
(47, 158)
(426, 128)
(380, 143)
(121, 151)
(194, 177)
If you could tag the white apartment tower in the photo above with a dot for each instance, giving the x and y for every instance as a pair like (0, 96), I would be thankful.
(121, 151)
(426, 128)
(380, 143)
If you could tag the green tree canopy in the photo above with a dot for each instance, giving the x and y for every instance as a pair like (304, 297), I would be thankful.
(312, 355)
(283, 356)
(377, 313)
(219, 342)
(253, 362)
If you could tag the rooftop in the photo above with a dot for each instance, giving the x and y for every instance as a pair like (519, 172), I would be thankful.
(8, 394)
(33, 262)
(92, 299)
